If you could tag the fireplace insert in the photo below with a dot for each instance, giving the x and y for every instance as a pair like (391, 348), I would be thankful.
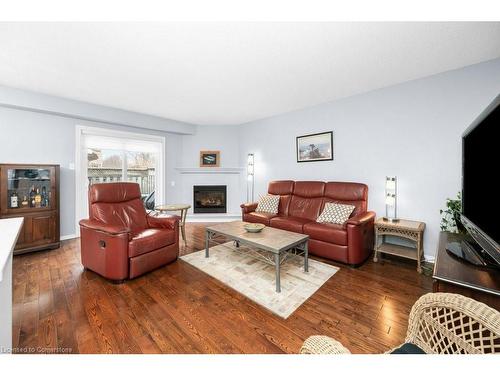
(209, 199)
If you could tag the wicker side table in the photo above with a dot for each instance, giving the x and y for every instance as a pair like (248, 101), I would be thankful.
(408, 229)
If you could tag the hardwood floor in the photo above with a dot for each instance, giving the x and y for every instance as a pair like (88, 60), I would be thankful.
(59, 307)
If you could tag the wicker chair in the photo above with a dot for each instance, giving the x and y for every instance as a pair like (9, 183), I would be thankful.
(439, 323)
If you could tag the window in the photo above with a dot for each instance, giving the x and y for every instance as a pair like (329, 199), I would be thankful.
(109, 156)
(104, 165)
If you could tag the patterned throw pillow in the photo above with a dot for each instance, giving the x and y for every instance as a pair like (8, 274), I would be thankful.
(335, 213)
(268, 203)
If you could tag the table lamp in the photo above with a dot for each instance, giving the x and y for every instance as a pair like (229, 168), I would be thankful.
(391, 199)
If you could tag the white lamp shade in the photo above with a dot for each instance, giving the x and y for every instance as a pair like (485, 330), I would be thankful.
(250, 165)
(390, 200)
(390, 184)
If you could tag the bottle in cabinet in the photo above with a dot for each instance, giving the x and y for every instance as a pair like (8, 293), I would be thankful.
(38, 198)
(32, 196)
(45, 197)
(14, 200)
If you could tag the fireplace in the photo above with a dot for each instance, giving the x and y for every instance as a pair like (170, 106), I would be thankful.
(209, 199)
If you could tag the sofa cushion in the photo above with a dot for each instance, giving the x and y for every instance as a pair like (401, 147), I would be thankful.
(308, 208)
(268, 203)
(293, 224)
(335, 213)
(150, 240)
(307, 199)
(347, 193)
(284, 189)
(309, 189)
(332, 233)
(259, 217)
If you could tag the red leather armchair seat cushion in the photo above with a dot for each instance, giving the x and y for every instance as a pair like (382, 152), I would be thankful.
(150, 239)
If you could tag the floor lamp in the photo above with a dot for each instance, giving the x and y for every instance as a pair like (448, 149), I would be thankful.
(250, 178)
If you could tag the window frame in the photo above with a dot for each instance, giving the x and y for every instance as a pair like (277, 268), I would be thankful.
(81, 176)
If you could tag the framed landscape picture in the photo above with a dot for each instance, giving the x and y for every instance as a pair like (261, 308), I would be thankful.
(315, 147)
(209, 158)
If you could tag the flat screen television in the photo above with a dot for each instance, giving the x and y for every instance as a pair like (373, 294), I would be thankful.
(481, 189)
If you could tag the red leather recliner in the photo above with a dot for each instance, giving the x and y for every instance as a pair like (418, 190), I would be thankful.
(301, 202)
(120, 240)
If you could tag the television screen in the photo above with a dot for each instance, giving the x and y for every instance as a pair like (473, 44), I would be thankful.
(481, 173)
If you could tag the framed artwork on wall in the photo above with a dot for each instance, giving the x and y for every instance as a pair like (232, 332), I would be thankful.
(209, 158)
(315, 147)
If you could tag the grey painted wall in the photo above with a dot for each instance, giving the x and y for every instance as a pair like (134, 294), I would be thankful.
(21, 99)
(223, 138)
(412, 130)
(34, 137)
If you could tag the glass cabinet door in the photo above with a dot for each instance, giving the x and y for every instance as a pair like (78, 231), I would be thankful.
(29, 188)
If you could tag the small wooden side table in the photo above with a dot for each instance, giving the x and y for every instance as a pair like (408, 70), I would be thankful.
(408, 229)
(183, 208)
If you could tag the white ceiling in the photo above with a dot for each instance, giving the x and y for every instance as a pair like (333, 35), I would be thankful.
(231, 73)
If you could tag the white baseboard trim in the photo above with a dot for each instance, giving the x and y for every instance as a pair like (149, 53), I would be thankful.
(68, 237)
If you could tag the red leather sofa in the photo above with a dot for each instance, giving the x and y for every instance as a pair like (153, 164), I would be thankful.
(120, 240)
(301, 202)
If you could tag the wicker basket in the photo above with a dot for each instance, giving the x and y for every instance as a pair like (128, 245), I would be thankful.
(439, 323)
(323, 345)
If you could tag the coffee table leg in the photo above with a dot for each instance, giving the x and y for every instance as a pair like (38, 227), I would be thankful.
(277, 267)
(206, 244)
(306, 257)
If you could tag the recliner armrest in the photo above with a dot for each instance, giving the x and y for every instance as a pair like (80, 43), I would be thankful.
(103, 227)
(248, 207)
(361, 218)
(163, 222)
(360, 237)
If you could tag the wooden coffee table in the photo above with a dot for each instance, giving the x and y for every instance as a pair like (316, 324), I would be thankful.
(271, 245)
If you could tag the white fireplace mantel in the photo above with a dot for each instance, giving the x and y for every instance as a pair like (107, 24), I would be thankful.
(210, 170)
(233, 177)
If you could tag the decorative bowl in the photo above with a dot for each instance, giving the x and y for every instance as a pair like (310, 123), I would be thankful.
(254, 227)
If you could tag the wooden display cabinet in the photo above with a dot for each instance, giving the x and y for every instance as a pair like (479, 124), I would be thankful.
(32, 191)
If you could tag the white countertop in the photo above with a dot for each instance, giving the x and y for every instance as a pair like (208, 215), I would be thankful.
(9, 231)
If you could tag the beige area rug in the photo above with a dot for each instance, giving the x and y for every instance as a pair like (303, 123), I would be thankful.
(255, 279)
